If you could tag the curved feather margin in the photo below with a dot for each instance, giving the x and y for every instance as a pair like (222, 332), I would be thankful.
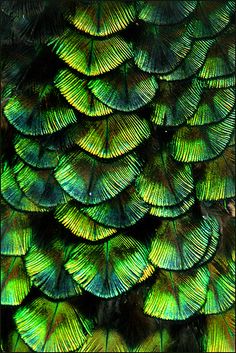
(177, 295)
(110, 268)
(15, 283)
(48, 326)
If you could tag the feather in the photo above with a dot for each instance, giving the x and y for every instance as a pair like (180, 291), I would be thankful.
(91, 181)
(13, 194)
(40, 186)
(180, 244)
(177, 295)
(196, 144)
(164, 182)
(77, 93)
(48, 326)
(101, 18)
(103, 340)
(91, 56)
(80, 224)
(15, 283)
(126, 90)
(112, 136)
(110, 268)
(45, 266)
(220, 332)
(167, 12)
(173, 45)
(120, 212)
(16, 232)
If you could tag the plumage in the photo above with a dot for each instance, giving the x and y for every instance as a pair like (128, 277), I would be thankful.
(117, 176)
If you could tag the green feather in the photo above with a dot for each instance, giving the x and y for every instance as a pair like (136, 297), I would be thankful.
(167, 12)
(122, 211)
(173, 46)
(109, 268)
(196, 144)
(222, 82)
(173, 211)
(127, 89)
(80, 224)
(91, 56)
(220, 59)
(45, 266)
(40, 186)
(210, 18)
(48, 326)
(219, 335)
(218, 180)
(13, 194)
(16, 343)
(159, 341)
(111, 137)
(214, 241)
(15, 283)
(101, 18)
(180, 244)
(30, 119)
(103, 340)
(177, 295)
(215, 105)
(77, 93)
(164, 182)
(16, 232)
(192, 62)
(33, 152)
(176, 103)
(91, 181)
(221, 289)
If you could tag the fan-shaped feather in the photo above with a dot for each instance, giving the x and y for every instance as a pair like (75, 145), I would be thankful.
(196, 144)
(45, 266)
(76, 91)
(218, 181)
(173, 45)
(91, 56)
(167, 12)
(192, 62)
(173, 211)
(16, 232)
(221, 289)
(111, 137)
(40, 186)
(214, 107)
(101, 18)
(15, 283)
(91, 181)
(110, 268)
(220, 59)
(80, 224)
(103, 340)
(180, 244)
(48, 326)
(120, 212)
(177, 295)
(13, 194)
(33, 152)
(219, 335)
(210, 18)
(126, 89)
(175, 104)
(31, 120)
(163, 182)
